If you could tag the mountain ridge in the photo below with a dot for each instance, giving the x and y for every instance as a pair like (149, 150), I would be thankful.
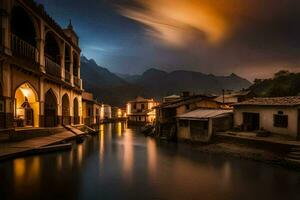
(116, 89)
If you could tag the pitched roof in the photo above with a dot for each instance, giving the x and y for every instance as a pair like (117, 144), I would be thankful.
(204, 114)
(184, 101)
(272, 101)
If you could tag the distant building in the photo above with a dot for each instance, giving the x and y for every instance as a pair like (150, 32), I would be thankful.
(167, 112)
(117, 113)
(171, 98)
(40, 84)
(90, 110)
(140, 111)
(106, 112)
(231, 97)
(280, 115)
(199, 125)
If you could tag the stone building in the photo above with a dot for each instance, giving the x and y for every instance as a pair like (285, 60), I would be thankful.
(40, 83)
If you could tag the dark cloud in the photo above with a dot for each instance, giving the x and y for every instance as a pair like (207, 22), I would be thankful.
(253, 38)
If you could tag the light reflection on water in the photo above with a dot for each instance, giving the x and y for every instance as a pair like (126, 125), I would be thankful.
(120, 163)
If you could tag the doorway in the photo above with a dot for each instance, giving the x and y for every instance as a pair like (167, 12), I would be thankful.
(251, 121)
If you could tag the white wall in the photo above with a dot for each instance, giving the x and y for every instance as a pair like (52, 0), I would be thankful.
(266, 118)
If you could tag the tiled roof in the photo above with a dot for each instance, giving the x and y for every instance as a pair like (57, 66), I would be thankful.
(272, 101)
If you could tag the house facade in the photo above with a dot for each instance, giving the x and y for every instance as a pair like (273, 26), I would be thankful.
(140, 111)
(200, 125)
(167, 112)
(40, 84)
(279, 115)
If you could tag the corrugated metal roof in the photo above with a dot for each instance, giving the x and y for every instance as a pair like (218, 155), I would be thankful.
(204, 113)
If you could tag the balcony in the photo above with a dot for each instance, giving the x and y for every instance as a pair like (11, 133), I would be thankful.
(52, 67)
(77, 81)
(67, 76)
(23, 49)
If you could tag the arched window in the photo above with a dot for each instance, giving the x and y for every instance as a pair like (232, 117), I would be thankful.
(65, 110)
(76, 111)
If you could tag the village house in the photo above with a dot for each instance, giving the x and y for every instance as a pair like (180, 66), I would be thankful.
(90, 110)
(279, 115)
(140, 111)
(40, 83)
(200, 125)
(117, 113)
(167, 112)
(231, 97)
(106, 113)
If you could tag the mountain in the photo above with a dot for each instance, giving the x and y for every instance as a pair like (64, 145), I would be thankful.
(283, 83)
(158, 83)
(117, 89)
(106, 86)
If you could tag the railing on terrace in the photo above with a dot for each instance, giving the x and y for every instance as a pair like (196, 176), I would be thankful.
(77, 81)
(23, 49)
(52, 67)
(67, 76)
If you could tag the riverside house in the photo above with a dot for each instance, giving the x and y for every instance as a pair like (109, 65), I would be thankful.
(91, 110)
(279, 115)
(199, 125)
(140, 111)
(40, 83)
(168, 111)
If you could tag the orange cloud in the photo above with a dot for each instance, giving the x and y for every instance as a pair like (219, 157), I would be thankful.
(179, 22)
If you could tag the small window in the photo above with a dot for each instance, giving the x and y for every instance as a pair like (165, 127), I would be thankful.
(183, 123)
(134, 106)
(143, 106)
(281, 121)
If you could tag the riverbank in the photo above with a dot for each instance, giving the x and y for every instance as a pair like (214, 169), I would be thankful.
(13, 149)
(264, 150)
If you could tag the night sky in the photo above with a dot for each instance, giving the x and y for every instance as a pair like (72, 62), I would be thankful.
(252, 38)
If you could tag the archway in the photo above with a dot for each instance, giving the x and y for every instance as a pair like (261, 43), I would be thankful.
(50, 109)
(52, 50)
(75, 64)
(76, 111)
(26, 106)
(22, 25)
(65, 110)
(24, 34)
(67, 63)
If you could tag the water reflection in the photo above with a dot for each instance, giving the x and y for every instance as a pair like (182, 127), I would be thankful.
(19, 170)
(128, 157)
(79, 154)
(120, 163)
(152, 158)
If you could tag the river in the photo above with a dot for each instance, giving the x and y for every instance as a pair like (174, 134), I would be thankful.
(120, 163)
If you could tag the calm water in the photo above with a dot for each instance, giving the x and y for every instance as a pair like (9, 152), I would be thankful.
(120, 163)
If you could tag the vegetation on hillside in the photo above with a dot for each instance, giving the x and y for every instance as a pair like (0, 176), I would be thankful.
(284, 83)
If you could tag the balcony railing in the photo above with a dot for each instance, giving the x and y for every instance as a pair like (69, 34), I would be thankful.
(23, 49)
(67, 76)
(77, 81)
(52, 67)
